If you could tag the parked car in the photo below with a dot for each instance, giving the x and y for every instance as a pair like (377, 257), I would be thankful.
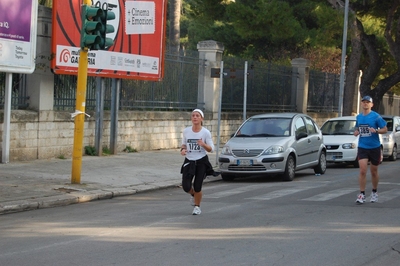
(391, 139)
(274, 143)
(340, 142)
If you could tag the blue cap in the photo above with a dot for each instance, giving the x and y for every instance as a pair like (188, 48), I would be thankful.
(367, 98)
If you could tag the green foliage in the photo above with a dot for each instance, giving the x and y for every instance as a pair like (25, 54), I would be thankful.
(90, 150)
(129, 149)
(106, 150)
(271, 30)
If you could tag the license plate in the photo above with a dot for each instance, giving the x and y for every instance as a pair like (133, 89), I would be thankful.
(244, 162)
(331, 158)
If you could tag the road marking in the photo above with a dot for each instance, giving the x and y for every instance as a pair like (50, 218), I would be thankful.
(388, 195)
(331, 194)
(282, 193)
(227, 193)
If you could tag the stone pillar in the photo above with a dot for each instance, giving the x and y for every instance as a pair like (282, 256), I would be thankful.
(301, 70)
(208, 90)
(40, 84)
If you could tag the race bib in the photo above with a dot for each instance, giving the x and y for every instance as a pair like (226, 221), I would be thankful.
(364, 131)
(192, 145)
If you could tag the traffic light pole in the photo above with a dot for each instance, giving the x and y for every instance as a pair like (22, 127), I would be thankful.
(80, 114)
(94, 37)
(79, 117)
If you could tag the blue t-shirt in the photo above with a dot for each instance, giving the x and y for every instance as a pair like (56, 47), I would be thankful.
(367, 139)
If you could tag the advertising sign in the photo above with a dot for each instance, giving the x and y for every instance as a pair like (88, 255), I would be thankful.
(139, 40)
(18, 28)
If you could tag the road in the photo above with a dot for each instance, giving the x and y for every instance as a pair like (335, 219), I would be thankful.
(312, 220)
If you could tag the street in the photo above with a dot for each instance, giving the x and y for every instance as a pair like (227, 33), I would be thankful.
(312, 220)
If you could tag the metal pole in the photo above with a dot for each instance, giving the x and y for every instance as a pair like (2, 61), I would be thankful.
(80, 113)
(5, 158)
(115, 88)
(221, 77)
(100, 86)
(245, 92)
(343, 63)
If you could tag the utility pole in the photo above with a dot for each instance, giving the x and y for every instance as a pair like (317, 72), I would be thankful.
(343, 64)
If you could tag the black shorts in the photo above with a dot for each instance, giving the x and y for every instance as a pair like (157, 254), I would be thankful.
(373, 155)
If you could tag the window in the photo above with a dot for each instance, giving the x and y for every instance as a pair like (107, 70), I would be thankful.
(311, 128)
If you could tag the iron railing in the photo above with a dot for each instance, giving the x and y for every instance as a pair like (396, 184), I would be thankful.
(269, 88)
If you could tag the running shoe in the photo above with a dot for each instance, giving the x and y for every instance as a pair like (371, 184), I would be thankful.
(374, 197)
(196, 210)
(360, 198)
(192, 200)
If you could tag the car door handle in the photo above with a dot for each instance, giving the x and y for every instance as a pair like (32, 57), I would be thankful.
(309, 140)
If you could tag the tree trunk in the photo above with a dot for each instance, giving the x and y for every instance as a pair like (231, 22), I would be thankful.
(174, 27)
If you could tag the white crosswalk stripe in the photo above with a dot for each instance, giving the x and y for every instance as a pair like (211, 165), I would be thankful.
(293, 188)
(281, 193)
(227, 193)
(332, 194)
(388, 195)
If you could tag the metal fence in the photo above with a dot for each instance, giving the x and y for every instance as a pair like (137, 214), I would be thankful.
(177, 90)
(323, 92)
(269, 88)
(19, 99)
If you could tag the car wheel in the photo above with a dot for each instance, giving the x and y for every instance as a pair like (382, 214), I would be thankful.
(356, 164)
(321, 167)
(289, 173)
(393, 157)
(227, 177)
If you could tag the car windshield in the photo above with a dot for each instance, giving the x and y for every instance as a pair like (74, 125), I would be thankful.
(389, 123)
(265, 127)
(339, 127)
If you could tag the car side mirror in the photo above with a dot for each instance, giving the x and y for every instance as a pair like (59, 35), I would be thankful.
(301, 135)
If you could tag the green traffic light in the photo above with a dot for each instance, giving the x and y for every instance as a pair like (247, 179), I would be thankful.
(95, 27)
(105, 29)
(91, 25)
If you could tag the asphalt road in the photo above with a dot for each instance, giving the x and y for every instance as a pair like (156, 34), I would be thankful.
(313, 220)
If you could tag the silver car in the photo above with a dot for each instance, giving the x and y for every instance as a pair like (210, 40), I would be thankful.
(274, 143)
(391, 139)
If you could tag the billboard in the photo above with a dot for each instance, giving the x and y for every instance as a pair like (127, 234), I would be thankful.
(18, 28)
(139, 40)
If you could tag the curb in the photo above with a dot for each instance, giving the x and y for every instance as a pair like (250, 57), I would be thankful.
(82, 196)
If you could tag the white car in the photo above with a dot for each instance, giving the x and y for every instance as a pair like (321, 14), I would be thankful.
(391, 139)
(341, 145)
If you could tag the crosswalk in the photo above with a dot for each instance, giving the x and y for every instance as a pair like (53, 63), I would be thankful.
(323, 191)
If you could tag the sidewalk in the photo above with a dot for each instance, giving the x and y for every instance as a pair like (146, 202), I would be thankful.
(47, 183)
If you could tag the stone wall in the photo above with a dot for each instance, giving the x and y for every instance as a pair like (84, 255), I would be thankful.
(50, 134)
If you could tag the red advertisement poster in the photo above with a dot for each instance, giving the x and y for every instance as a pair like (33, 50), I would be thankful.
(139, 40)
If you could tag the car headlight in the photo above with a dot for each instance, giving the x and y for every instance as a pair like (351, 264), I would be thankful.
(275, 149)
(226, 150)
(349, 146)
(386, 138)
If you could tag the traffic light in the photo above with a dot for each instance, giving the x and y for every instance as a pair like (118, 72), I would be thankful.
(105, 28)
(91, 26)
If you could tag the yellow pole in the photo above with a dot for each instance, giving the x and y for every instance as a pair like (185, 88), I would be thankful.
(80, 116)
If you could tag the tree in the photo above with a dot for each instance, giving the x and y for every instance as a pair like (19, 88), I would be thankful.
(270, 30)
(174, 25)
(379, 56)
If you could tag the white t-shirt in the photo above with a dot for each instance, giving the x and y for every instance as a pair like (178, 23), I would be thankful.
(190, 138)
